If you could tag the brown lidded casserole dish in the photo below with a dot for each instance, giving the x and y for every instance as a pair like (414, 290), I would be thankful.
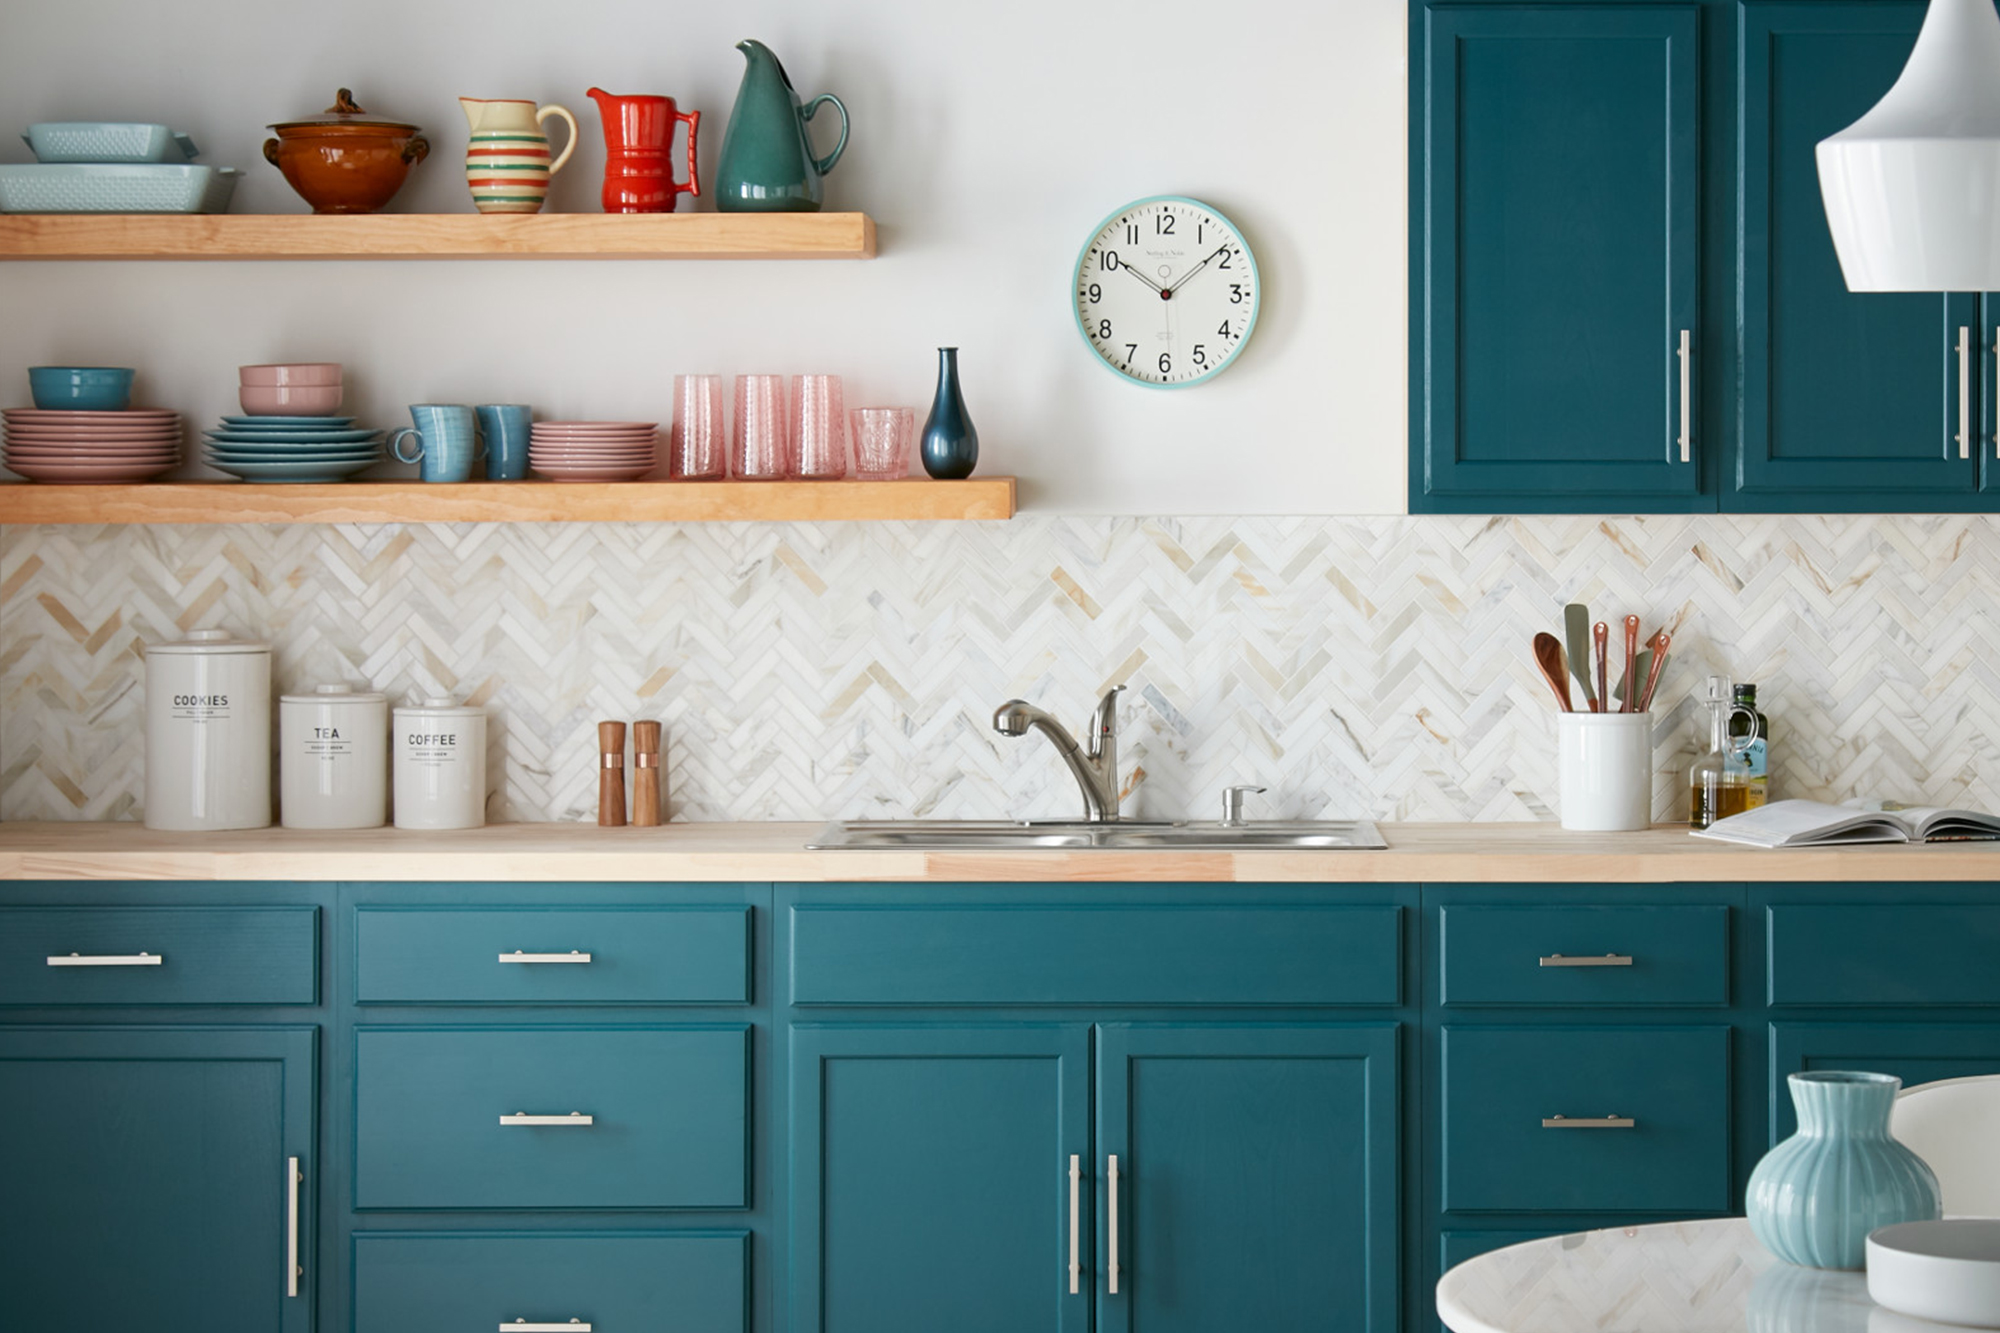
(343, 161)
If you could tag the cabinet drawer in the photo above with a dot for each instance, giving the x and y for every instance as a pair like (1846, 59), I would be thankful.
(620, 955)
(1584, 955)
(1914, 953)
(1502, 1083)
(975, 954)
(421, 1282)
(665, 1110)
(204, 955)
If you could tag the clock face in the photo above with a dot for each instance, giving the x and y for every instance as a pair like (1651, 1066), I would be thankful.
(1166, 292)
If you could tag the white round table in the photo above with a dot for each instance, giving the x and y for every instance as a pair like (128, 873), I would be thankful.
(1711, 1276)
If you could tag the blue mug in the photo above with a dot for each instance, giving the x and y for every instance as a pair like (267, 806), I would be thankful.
(447, 441)
(503, 430)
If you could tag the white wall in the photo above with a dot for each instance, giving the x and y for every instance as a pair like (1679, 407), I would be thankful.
(988, 141)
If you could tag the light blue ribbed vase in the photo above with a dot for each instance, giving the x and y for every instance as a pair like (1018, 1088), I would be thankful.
(1816, 1196)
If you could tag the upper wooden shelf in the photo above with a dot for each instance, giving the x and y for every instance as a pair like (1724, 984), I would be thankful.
(438, 236)
(509, 502)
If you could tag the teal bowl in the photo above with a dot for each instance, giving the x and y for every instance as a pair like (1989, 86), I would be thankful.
(80, 388)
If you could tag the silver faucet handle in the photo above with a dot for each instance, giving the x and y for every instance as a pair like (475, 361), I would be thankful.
(1103, 722)
(1232, 802)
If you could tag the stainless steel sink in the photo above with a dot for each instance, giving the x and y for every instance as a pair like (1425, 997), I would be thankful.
(1122, 835)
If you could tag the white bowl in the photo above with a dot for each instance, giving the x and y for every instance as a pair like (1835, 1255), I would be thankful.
(1944, 1271)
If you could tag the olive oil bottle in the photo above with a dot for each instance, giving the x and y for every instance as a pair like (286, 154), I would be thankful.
(1757, 757)
(1719, 781)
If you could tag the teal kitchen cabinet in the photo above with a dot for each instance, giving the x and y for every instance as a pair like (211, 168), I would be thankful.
(1914, 1051)
(148, 1177)
(1555, 258)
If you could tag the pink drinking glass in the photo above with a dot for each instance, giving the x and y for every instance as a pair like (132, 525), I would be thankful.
(882, 442)
(696, 450)
(819, 427)
(760, 447)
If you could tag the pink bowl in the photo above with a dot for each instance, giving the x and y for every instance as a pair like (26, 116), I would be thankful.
(292, 375)
(304, 400)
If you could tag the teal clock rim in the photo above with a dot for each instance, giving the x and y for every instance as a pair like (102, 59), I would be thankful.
(1256, 301)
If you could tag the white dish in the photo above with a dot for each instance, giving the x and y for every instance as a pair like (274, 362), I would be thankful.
(1943, 1271)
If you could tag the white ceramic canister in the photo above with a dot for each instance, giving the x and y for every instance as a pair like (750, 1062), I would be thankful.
(1604, 770)
(440, 749)
(333, 759)
(208, 733)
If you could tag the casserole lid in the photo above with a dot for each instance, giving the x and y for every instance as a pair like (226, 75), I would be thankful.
(344, 112)
(207, 642)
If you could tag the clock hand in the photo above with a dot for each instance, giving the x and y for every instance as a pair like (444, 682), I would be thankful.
(1143, 278)
(1196, 269)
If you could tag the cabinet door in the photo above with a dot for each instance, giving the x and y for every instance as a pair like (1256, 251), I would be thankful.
(932, 1185)
(146, 1176)
(1554, 251)
(1257, 1178)
(1914, 1052)
(1850, 401)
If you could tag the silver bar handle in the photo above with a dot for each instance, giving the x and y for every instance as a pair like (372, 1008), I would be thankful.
(1586, 960)
(573, 1119)
(1075, 1189)
(1687, 395)
(1111, 1192)
(293, 1270)
(1964, 392)
(523, 1326)
(573, 956)
(105, 960)
(1589, 1122)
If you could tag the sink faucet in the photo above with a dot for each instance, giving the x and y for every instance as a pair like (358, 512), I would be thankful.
(1095, 766)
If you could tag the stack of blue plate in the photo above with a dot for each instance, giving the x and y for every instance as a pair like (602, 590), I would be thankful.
(291, 448)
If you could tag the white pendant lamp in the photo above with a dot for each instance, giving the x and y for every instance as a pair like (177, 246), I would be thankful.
(1912, 189)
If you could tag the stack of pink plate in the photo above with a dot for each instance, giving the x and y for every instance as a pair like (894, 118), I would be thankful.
(592, 450)
(82, 447)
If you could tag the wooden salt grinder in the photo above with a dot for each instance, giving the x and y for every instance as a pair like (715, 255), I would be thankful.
(646, 773)
(611, 774)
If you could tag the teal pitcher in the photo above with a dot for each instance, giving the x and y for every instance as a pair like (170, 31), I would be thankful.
(768, 164)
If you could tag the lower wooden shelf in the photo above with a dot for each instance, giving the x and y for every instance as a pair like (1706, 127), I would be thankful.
(510, 502)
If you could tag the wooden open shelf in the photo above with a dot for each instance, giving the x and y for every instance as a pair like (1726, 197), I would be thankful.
(438, 236)
(509, 502)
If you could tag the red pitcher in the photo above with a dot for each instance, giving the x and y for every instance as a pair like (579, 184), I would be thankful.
(638, 144)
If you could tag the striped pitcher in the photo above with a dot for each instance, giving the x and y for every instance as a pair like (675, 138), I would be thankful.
(507, 163)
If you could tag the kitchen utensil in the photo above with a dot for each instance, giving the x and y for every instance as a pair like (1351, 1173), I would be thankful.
(819, 427)
(284, 400)
(290, 374)
(504, 430)
(949, 445)
(80, 388)
(1600, 637)
(342, 161)
(1576, 642)
(104, 141)
(611, 775)
(115, 188)
(759, 444)
(440, 759)
(333, 759)
(1604, 771)
(697, 450)
(208, 733)
(1631, 656)
(768, 164)
(882, 442)
(1549, 657)
(1659, 662)
(447, 441)
(645, 774)
(1947, 1271)
(638, 148)
(507, 163)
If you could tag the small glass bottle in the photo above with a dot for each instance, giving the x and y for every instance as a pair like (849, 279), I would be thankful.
(1757, 758)
(1719, 781)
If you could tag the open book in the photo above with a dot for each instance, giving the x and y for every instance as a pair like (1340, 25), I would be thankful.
(1812, 824)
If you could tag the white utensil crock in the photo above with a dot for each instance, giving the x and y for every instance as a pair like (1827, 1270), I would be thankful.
(208, 733)
(440, 749)
(333, 759)
(1604, 763)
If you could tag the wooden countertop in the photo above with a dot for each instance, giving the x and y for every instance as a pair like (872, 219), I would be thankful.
(1427, 853)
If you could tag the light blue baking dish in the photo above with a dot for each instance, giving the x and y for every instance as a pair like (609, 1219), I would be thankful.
(76, 187)
(102, 141)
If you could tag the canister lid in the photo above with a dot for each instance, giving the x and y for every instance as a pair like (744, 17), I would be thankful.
(440, 705)
(208, 642)
(337, 693)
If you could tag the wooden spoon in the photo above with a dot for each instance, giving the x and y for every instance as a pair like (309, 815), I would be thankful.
(1549, 657)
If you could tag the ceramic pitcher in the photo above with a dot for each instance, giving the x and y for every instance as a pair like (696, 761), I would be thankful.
(638, 143)
(768, 164)
(507, 163)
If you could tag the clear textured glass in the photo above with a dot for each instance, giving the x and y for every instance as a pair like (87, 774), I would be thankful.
(760, 447)
(882, 442)
(696, 450)
(819, 427)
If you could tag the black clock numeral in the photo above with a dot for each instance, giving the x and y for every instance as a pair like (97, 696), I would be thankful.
(1225, 260)
(1236, 293)
(1131, 353)
(1104, 328)
(1108, 261)
(1163, 225)
(1223, 328)
(1131, 233)
(1095, 292)
(1200, 354)
(1166, 364)
(1198, 230)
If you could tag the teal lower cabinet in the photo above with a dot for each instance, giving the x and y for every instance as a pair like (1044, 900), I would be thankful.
(149, 1178)
(1916, 1052)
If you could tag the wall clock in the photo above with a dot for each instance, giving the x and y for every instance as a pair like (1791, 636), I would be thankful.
(1166, 292)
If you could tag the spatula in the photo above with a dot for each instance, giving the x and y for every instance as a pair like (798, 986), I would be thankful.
(1576, 638)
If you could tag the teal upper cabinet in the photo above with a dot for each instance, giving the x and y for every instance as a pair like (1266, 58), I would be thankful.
(1848, 401)
(1555, 257)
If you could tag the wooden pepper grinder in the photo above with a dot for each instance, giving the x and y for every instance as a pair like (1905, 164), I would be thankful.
(646, 773)
(611, 775)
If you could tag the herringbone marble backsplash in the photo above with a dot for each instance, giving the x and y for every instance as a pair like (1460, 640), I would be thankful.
(1372, 667)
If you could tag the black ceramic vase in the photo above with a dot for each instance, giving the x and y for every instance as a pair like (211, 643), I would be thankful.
(950, 444)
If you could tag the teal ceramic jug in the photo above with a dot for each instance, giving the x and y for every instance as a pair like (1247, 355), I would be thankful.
(768, 164)
(1816, 1196)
